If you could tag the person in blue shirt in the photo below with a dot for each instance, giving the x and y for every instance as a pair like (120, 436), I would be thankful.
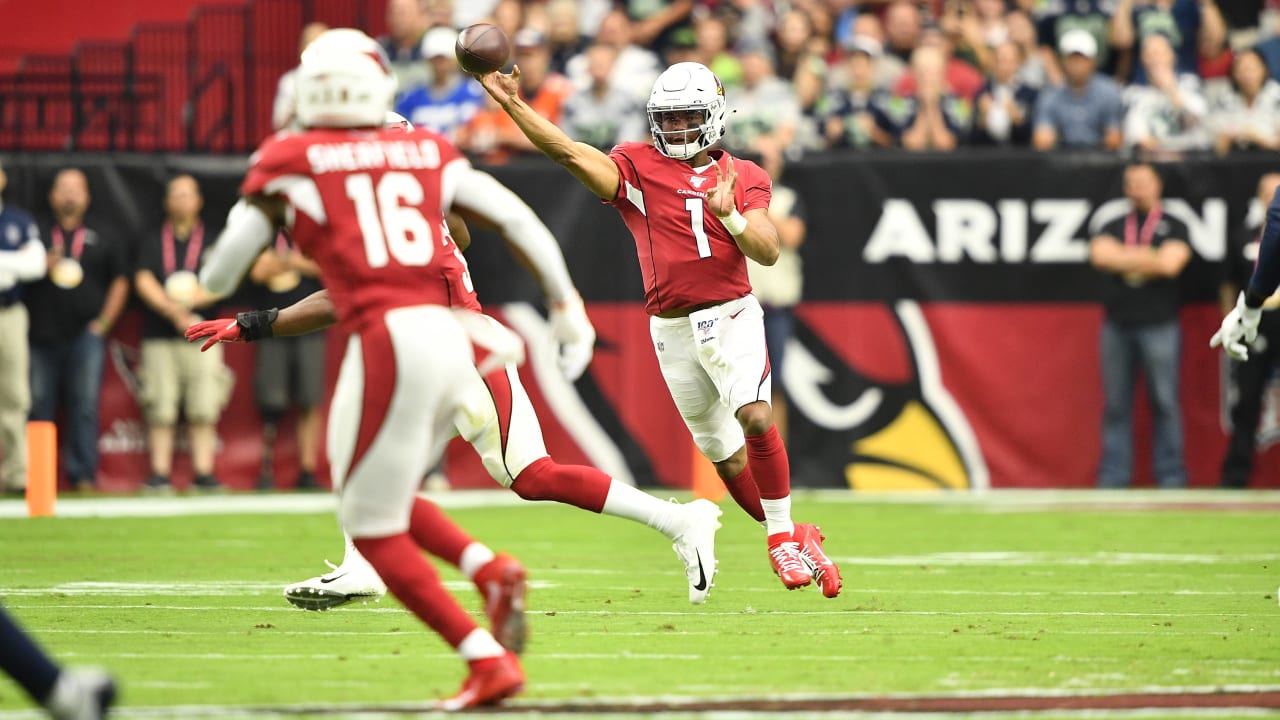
(451, 98)
(22, 259)
(1087, 111)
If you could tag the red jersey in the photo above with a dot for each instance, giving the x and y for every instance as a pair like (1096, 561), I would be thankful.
(368, 207)
(686, 255)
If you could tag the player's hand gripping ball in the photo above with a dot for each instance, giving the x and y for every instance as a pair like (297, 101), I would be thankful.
(482, 49)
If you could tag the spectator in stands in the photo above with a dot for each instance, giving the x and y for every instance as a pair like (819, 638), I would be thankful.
(1252, 376)
(1194, 30)
(1033, 72)
(765, 113)
(682, 48)
(603, 115)
(1248, 118)
(22, 260)
(1269, 48)
(852, 115)
(406, 24)
(451, 98)
(172, 371)
(800, 58)
(635, 68)
(903, 24)
(71, 312)
(654, 21)
(973, 28)
(779, 286)
(1005, 105)
(286, 94)
(1142, 254)
(960, 78)
(462, 13)
(288, 371)
(562, 32)
(1063, 16)
(1169, 113)
(492, 133)
(934, 118)
(1087, 112)
(713, 50)
(889, 68)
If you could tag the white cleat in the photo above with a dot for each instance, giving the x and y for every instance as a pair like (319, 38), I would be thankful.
(354, 580)
(695, 543)
(81, 694)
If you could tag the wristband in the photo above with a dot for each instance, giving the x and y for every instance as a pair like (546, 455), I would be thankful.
(256, 324)
(736, 224)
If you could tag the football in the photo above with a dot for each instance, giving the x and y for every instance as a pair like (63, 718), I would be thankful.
(482, 48)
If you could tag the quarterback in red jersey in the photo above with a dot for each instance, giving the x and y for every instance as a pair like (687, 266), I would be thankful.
(367, 205)
(696, 214)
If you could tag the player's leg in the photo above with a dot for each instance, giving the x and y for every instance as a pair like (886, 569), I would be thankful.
(394, 396)
(499, 422)
(747, 384)
(68, 694)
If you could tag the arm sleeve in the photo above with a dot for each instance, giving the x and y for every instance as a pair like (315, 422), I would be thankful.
(1043, 113)
(247, 232)
(1266, 273)
(759, 189)
(481, 194)
(627, 175)
(27, 262)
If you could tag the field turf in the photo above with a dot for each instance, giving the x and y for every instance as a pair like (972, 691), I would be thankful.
(1012, 595)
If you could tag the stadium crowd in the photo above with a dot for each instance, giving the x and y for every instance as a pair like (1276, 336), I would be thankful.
(1155, 76)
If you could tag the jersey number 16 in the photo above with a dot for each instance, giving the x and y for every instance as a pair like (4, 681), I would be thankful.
(389, 219)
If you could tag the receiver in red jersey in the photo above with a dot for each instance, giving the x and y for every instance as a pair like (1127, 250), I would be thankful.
(368, 206)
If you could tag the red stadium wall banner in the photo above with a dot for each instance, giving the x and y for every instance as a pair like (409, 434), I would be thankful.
(948, 335)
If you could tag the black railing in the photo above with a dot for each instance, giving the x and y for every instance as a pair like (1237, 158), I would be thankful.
(205, 85)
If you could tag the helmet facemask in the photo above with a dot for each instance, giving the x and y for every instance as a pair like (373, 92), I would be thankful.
(687, 142)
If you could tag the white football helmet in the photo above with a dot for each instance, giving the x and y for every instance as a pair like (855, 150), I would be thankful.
(682, 87)
(344, 80)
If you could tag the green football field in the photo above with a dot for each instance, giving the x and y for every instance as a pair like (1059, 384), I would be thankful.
(1023, 595)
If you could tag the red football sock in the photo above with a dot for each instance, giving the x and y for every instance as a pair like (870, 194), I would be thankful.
(744, 492)
(577, 485)
(436, 532)
(415, 583)
(767, 458)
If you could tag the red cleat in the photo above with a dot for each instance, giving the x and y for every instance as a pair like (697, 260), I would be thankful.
(502, 585)
(491, 681)
(784, 554)
(824, 571)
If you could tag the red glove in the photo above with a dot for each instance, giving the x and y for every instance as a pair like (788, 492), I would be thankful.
(221, 330)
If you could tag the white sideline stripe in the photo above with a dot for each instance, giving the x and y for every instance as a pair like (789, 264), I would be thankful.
(678, 613)
(636, 656)
(239, 589)
(1051, 558)
(303, 504)
(1164, 632)
(201, 588)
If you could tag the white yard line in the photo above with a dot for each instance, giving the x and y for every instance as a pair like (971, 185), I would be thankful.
(676, 613)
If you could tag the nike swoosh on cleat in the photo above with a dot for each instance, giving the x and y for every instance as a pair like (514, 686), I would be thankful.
(327, 580)
(702, 576)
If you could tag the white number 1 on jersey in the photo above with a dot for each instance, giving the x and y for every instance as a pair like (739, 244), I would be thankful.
(389, 219)
(695, 208)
